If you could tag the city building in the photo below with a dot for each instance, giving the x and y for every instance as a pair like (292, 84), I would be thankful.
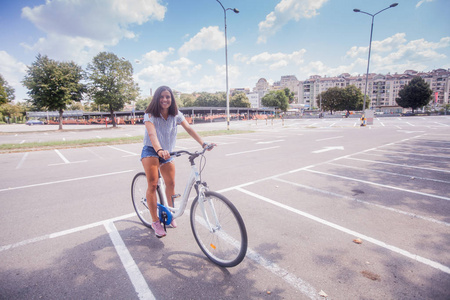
(382, 89)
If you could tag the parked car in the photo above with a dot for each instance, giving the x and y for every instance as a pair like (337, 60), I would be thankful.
(34, 122)
(408, 113)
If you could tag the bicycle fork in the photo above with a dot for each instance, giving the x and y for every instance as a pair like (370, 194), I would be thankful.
(206, 203)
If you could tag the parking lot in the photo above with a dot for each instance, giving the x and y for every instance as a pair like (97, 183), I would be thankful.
(333, 210)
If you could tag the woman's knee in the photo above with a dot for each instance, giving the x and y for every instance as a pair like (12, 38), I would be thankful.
(169, 181)
(152, 185)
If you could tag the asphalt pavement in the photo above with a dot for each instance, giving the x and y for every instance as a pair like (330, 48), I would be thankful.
(333, 211)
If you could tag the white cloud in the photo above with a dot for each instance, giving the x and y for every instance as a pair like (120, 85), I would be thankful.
(393, 54)
(396, 53)
(209, 38)
(273, 60)
(422, 2)
(285, 11)
(154, 57)
(79, 28)
(183, 75)
(386, 45)
(13, 71)
(319, 68)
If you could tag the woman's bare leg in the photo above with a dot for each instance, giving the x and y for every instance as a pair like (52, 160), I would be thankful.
(151, 165)
(168, 173)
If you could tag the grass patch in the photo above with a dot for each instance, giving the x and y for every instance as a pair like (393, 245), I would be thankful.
(8, 148)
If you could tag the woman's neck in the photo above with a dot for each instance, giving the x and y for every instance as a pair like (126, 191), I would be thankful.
(165, 113)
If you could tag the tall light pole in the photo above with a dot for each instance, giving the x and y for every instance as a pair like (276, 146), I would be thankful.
(370, 46)
(226, 59)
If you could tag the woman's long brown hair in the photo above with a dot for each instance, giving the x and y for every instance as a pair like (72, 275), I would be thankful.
(154, 108)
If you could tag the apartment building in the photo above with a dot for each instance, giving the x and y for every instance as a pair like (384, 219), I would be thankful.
(382, 89)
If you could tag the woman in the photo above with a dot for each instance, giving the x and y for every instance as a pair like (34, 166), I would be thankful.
(161, 119)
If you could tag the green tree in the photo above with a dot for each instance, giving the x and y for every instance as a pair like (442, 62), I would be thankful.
(289, 94)
(415, 94)
(240, 100)
(187, 100)
(12, 111)
(352, 99)
(6, 91)
(211, 100)
(332, 99)
(111, 82)
(3, 95)
(76, 106)
(276, 99)
(54, 85)
(141, 104)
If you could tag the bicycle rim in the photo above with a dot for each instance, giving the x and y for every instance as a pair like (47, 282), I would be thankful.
(138, 196)
(219, 229)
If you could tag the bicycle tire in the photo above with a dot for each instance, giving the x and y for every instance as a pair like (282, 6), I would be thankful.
(226, 245)
(138, 196)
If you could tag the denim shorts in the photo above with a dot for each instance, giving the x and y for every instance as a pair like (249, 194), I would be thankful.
(148, 151)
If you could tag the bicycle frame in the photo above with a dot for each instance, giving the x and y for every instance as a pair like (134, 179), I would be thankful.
(216, 224)
(194, 179)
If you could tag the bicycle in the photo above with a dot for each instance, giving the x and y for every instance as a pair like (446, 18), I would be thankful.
(216, 224)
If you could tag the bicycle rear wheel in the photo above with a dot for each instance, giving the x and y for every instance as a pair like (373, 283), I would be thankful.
(219, 229)
(139, 198)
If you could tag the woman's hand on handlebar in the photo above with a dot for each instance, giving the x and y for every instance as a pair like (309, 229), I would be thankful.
(209, 146)
(164, 154)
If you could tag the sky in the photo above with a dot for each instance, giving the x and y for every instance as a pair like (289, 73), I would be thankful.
(181, 43)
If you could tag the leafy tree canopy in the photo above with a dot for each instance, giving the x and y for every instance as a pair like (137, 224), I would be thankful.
(187, 100)
(352, 99)
(415, 94)
(54, 85)
(289, 94)
(331, 99)
(6, 91)
(276, 99)
(211, 100)
(336, 98)
(111, 82)
(142, 103)
(239, 100)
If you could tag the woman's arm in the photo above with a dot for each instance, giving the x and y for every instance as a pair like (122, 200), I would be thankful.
(192, 132)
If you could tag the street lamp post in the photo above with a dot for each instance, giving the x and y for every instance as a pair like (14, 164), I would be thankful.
(226, 59)
(370, 46)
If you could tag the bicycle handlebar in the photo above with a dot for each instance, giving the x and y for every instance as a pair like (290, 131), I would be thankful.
(193, 154)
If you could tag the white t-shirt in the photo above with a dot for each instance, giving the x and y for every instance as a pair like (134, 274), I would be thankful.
(166, 130)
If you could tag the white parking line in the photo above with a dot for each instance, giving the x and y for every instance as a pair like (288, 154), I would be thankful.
(135, 275)
(397, 250)
(62, 157)
(118, 149)
(391, 173)
(256, 150)
(64, 232)
(22, 161)
(330, 138)
(399, 165)
(379, 184)
(364, 202)
(411, 153)
(63, 181)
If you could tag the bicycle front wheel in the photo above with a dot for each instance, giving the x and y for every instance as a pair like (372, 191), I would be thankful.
(219, 229)
(139, 198)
